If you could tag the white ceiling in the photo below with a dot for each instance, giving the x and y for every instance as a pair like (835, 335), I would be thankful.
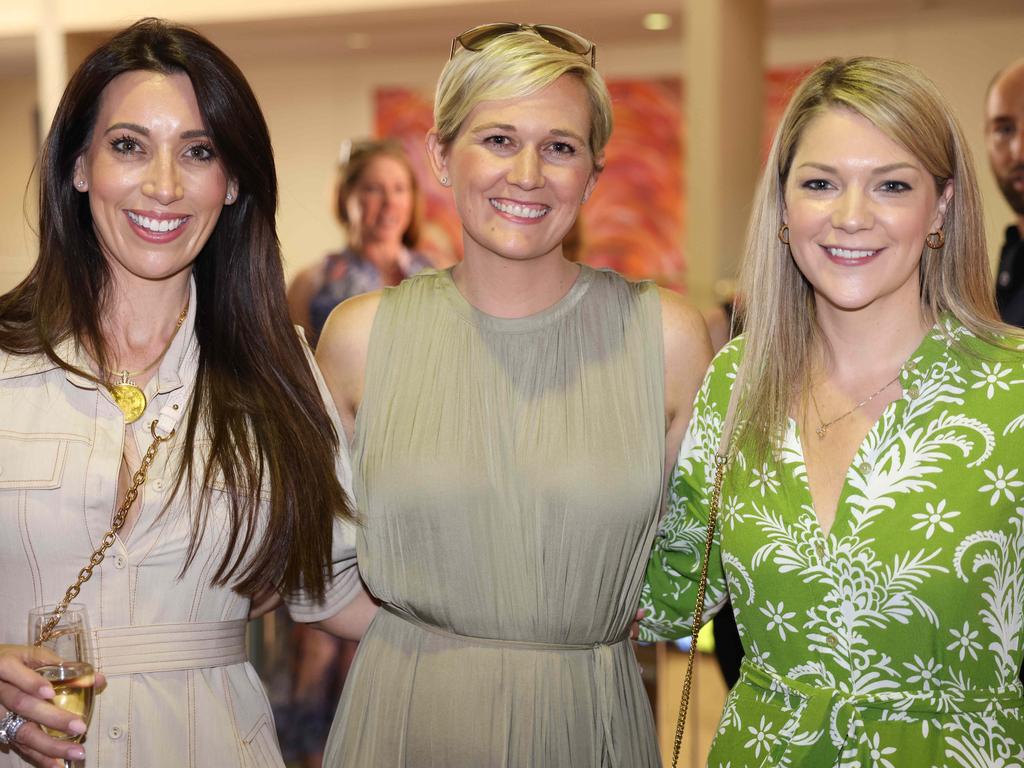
(423, 29)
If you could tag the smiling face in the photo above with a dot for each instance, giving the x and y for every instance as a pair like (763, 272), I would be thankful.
(380, 206)
(520, 169)
(155, 185)
(859, 207)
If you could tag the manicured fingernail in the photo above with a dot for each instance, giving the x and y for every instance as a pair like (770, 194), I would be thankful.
(46, 692)
(77, 727)
(76, 753)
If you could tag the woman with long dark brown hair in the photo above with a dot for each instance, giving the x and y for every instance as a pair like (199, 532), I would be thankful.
(160, 418)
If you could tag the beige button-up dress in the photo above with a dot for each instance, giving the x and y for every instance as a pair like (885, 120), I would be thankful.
(180, 692)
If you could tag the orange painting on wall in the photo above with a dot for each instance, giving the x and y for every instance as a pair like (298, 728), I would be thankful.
(635, 222)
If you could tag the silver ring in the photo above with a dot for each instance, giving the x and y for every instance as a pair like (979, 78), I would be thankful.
(9, 727)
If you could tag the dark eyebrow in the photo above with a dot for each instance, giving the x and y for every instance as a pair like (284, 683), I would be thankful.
(199, 133)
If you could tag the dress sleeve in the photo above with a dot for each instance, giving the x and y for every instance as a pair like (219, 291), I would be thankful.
(344, 583)
(673, 572)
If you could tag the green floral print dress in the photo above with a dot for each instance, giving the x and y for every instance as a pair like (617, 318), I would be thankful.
(895, 640)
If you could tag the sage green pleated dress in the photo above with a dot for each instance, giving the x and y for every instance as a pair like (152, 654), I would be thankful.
(509, 473)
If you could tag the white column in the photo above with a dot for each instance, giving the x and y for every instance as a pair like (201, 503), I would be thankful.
(724, 44)
(51, 62)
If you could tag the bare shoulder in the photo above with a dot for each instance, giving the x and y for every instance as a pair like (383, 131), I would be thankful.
(687, 355)
(342, 351)
(686, 336)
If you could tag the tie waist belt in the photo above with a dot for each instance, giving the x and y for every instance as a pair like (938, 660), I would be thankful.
(604, 665)
(839, 716)
(169, 647)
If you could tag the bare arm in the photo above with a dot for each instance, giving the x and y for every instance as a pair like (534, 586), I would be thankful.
(300, 293)
(687, 356)
(341, 354)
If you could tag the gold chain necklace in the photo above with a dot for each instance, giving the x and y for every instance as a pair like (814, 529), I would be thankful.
(822, 429)
(128, 396)
(109, 537)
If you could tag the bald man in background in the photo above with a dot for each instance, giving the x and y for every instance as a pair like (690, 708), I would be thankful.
(1004, 137)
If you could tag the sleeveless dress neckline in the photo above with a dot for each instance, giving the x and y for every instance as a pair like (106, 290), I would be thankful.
(461, 305)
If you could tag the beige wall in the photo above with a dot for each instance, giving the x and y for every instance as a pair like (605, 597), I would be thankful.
(313, 100)
(18, 138)
(960, 53)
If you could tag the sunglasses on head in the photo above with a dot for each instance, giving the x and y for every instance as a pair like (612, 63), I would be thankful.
(476, 38)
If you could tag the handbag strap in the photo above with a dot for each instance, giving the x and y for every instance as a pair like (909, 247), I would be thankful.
(109, 538)
(716, 497)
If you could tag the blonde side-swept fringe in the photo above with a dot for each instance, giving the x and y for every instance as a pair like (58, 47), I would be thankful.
(513, 65)
(782, 340)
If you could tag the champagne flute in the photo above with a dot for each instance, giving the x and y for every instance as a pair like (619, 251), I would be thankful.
(73, 676)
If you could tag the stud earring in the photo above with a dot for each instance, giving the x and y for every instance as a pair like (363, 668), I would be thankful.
(444, 181)
(228, 198)
(80, 183)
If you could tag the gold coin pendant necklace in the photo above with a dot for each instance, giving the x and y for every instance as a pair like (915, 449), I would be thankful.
(127, 395)
(823, 426)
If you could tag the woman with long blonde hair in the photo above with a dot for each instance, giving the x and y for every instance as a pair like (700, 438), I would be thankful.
(871, 530)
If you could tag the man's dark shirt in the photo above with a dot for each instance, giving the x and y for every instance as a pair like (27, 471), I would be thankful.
(1010, 280)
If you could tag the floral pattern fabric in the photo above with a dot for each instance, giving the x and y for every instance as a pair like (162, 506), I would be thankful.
(896, 639)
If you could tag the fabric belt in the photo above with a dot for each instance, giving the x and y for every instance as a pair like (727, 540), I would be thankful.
(840, 715)
(169, 647)
(603, 654)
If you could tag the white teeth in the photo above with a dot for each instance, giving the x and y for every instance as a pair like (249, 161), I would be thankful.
(521, 211)
(843, 253)
(155, 225)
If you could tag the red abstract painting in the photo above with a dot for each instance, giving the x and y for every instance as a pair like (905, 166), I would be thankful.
(635, 222)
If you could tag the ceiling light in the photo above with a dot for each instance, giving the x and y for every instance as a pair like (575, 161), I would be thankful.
(657, 22)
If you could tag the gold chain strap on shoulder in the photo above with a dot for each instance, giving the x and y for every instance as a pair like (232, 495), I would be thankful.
(698, 612)
(108, 540)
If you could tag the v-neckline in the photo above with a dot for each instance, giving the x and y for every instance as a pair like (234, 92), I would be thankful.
(909, 383)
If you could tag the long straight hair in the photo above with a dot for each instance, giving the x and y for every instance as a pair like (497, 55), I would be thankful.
(777, 312)
(256, 400)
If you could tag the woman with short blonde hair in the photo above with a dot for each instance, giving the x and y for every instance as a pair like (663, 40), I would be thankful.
(512, 420)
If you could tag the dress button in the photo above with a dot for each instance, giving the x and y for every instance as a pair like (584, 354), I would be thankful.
(115, 732)
(832, 640)
(865, 467)
(158, 484)
(120, 562)
(912, 392)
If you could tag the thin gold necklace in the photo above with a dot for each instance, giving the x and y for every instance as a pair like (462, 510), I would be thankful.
(823, 426)
(128, 396)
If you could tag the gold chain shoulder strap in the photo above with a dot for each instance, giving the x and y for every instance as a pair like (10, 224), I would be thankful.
(698, 612)
(108, 540)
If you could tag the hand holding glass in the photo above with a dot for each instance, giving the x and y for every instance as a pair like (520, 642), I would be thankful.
(73, 677)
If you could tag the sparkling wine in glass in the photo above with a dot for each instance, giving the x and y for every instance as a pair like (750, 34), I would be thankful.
(73, 676)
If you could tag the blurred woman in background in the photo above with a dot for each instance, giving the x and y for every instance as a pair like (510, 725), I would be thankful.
(379, 204)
